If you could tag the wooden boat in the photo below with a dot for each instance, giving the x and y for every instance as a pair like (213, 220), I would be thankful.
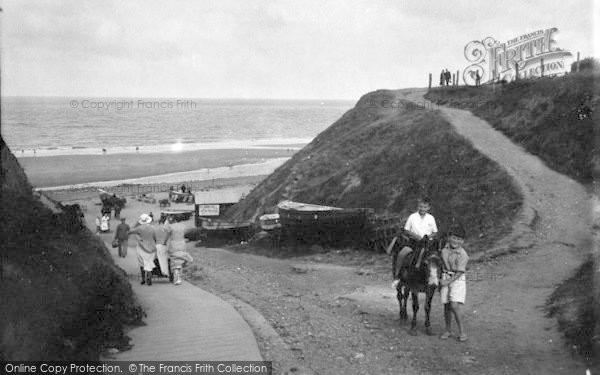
(216, 225)
(269, 221)
(178, 214)
(225, 230)
(328, 225)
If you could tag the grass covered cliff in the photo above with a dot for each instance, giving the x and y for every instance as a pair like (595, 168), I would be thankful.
(554, 118)
(384, 158)
(551, 118)
(63, 296)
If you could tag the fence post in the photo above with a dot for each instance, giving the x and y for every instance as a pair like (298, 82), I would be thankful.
(577, 61)
(429, 81)
(516, 71)
(542, 65)
(457, 78)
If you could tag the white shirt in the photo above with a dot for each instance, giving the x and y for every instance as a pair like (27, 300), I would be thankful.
(422, 226)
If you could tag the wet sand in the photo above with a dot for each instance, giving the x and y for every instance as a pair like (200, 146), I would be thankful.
(69, 196)
(76, 169)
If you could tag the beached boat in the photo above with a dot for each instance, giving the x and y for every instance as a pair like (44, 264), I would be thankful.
(222, 225)
(225, 230)
(269, 221)
(328, 225)
(178, 214)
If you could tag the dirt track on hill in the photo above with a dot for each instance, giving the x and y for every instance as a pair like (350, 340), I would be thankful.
(336, 313)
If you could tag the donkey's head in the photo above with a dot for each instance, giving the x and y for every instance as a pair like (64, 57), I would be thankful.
(433, 266)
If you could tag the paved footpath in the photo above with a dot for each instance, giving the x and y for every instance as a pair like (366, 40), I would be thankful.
(184, 322)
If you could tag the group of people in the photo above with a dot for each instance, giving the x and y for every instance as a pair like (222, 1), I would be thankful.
(165, 243)
(421, 228)
(110, 202)
(103, 223)
(445, 77)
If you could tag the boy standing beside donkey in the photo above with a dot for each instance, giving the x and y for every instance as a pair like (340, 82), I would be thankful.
(453, 284)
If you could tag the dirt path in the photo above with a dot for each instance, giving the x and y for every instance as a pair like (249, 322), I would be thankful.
(336, 313)
(551, 248)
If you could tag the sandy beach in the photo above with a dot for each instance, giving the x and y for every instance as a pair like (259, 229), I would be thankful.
(80, 169)
(74, 195)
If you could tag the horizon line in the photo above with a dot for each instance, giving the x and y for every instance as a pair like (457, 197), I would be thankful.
(172, 97)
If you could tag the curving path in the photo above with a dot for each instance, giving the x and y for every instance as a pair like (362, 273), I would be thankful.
(183, 322)
(553, 236)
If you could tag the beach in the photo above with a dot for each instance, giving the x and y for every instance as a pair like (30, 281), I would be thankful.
(64, 170)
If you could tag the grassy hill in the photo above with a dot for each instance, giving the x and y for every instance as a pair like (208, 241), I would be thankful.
(553, 118)
(63, 297)
(550, 117)
(384, 158)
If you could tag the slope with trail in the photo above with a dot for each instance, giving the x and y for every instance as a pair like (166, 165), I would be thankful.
(551, 237)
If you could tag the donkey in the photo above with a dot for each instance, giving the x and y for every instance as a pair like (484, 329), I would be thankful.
(413, 281)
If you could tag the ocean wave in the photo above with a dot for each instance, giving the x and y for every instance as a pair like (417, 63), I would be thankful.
(272, 143)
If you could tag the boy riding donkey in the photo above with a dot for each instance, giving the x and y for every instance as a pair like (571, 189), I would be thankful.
(416, 267)
(420, 229)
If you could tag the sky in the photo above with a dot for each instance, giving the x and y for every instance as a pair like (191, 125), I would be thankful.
(260, 49)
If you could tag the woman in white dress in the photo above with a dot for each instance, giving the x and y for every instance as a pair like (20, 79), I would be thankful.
(105, 223)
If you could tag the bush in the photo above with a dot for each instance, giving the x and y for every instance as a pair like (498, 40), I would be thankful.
(588, 64)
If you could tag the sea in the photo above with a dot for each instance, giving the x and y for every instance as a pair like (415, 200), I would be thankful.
(48, 126)
(67, 126)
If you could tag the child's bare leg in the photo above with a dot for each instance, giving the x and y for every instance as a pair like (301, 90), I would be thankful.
(455, 306)
(448, 317)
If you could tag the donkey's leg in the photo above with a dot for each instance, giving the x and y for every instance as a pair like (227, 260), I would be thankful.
(429, 296)
(415, 307)
(402, 297)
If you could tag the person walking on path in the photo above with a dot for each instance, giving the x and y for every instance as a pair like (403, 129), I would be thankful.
(447, 75)
(98, 225)
(105, 223)
(161, 246)
(146, 247)
(179, 257)
(442, 77)
(117, 205)
(122, 237)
